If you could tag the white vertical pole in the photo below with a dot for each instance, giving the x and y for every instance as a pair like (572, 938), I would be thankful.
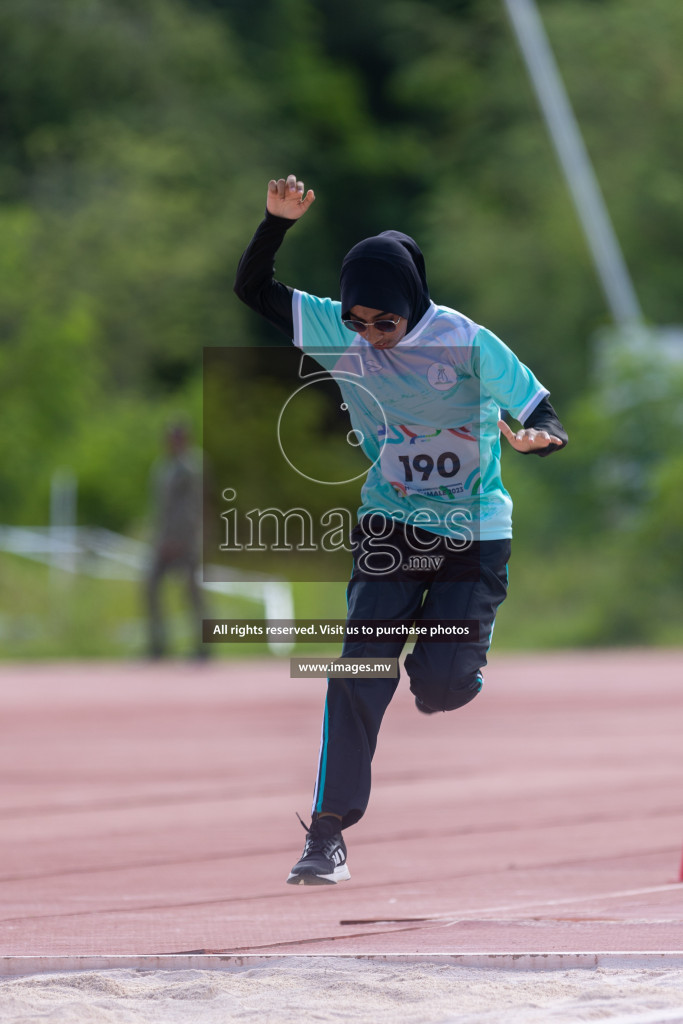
(63, 521)
(575, 162)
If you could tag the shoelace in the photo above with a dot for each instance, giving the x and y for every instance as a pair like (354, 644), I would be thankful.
(315, 843)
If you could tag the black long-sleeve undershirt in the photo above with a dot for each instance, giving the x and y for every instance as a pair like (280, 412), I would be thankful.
(256, 285)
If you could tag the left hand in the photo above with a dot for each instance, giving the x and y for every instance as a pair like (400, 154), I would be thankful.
(527, 440)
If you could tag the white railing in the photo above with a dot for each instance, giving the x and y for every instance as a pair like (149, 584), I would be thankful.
(94, 551)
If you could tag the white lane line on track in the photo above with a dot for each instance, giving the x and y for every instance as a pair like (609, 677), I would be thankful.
(621, 922)
(568, 900)
(564, 902)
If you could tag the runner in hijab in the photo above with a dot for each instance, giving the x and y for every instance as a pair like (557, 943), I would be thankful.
(441, 381)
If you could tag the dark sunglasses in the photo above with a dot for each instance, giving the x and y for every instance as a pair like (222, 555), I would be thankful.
(383, 326)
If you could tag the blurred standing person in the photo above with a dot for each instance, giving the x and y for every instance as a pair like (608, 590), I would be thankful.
(176, 485)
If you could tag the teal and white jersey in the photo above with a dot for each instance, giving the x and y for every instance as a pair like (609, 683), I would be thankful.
(426, 413)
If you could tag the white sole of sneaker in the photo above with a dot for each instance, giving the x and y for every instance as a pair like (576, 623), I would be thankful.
(340, 874)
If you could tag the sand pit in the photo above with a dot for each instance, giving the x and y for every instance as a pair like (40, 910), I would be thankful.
(337, 989)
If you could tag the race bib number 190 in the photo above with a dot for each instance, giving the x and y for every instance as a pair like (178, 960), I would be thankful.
(441, 463)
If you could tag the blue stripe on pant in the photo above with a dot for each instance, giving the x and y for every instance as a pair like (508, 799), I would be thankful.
(445, 676)
(319, 794)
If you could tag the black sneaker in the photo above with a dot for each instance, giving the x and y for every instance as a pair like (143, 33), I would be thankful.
(323, 861)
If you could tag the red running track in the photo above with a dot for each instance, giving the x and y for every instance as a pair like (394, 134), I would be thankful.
(149, 809)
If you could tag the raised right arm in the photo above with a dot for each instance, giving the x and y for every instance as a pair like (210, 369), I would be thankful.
(255, 283)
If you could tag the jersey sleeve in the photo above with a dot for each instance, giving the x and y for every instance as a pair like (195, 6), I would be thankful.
(317, 323)
(504, 377)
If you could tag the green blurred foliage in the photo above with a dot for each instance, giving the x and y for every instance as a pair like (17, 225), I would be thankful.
(600, 526)
(136, 141)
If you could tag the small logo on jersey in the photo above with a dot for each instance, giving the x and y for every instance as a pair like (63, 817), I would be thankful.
(442, 376)
(372, 366)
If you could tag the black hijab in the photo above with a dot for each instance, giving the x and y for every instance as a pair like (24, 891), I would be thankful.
(386, 272)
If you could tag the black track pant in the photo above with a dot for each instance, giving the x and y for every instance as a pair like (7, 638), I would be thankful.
(444, 675)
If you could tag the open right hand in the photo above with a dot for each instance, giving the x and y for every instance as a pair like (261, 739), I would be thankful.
(286, 198)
